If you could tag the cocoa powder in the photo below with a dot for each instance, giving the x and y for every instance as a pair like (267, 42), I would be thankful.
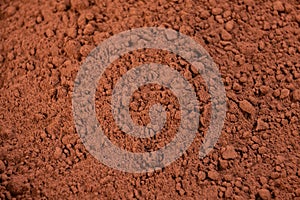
(256, 46)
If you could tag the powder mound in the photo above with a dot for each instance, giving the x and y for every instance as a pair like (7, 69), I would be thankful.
(254, 45)
(11, 10)
(17, 185)
(247, 107)
(79, 4)
(278, 6)
(262, 125)
(213, 175)
(264, 194)
(296, 95)
(57, 153)
(72, 48)
(225, 35)
(229, 25)
(229, 153)
(284, 93)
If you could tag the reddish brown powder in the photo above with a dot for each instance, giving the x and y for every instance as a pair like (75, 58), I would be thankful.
(256, 45)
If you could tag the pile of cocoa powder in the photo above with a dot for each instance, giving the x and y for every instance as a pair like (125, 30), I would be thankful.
(255, 44)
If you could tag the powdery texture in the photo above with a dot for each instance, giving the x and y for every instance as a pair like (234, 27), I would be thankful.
(256, 47)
